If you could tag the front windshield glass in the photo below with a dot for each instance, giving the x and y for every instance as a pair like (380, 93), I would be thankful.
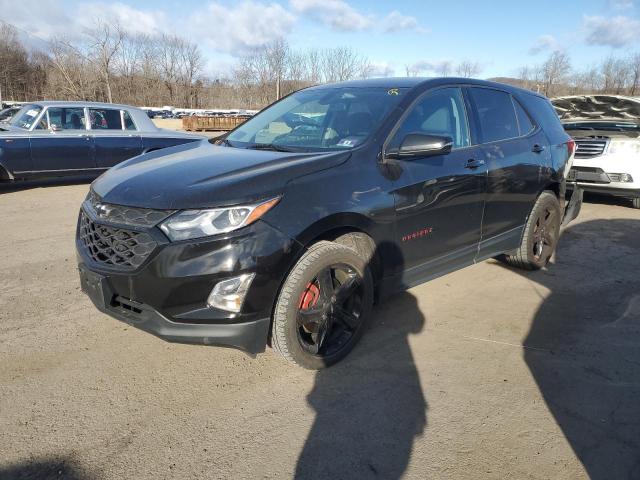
(26, 116)
(318, 119)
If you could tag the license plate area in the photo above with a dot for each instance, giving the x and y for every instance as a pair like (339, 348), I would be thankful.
(95, 286)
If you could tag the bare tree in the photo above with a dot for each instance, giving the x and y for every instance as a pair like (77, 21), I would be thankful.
(615, 74)
(105, 42)
(468, 69)
(555, 71)
(634, 68)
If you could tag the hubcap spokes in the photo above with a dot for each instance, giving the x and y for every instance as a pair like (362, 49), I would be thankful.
(327, 325)
(544, 234)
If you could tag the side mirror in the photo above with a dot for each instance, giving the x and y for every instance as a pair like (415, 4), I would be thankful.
(417, 145)
(54, 128)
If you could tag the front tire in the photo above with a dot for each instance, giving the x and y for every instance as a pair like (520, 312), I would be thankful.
(541, 234)
(636, 202)
(323, 306)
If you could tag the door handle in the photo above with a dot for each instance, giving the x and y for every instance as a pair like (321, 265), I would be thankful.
(537, 148)
(473, 163)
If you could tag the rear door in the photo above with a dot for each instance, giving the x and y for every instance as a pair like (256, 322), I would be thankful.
(66, 147)
(114, 135)
(438, 199)
(517, 156)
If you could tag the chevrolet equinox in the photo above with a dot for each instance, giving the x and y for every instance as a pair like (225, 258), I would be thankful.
(286, 230)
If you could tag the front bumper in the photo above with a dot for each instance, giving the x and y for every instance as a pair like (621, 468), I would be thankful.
(249, 336)
(167, 294)
(616, 191)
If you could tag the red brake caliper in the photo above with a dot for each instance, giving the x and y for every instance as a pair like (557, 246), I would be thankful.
(309, 297)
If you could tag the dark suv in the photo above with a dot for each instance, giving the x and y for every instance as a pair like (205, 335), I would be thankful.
(285, 231)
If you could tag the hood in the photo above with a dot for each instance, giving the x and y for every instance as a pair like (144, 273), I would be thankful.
(202, 175)
(597, 108)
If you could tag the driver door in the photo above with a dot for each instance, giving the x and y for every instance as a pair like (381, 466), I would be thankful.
(67, 146)
(439, 199)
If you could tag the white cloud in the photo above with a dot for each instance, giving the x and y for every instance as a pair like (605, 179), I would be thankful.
(240, 27)
(130, 19)
(381, 69)
(621, 4)
(439, 67)
(342, 17)
(49, 20)
(395, 22)
(336, 14)
(543, 43)
(614, 32)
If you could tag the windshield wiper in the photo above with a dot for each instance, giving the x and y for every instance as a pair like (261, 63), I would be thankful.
(270, 146)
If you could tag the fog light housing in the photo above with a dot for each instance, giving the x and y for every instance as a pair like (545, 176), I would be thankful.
(626, 178)
(229, 294)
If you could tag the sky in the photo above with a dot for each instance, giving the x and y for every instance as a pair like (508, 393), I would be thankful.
(501, 36)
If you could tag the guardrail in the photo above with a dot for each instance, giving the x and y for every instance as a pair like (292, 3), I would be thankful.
(203, 124)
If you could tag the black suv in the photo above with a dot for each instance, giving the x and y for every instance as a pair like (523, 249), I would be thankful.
(285, 231)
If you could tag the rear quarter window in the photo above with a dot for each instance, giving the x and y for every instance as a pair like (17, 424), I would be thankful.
(524, 121)
(545, 116)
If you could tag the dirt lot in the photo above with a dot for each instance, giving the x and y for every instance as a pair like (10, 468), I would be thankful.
(486, 373)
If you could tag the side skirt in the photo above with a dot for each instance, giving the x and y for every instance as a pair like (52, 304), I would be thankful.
(451, 262)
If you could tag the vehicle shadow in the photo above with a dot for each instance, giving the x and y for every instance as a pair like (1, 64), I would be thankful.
(586, 345)
(370, 407)
(56, 468)
(606, 199)
(10, 187)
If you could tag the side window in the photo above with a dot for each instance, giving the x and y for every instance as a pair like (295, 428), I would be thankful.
(524, 122)
(105, 119)
(128, 121)
(496, 114)
(440, 112)
(65, 118)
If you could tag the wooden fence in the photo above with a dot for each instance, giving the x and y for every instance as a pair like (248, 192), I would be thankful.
(203, 124)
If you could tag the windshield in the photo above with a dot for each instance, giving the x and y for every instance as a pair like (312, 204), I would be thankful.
(613, 126)
(26, 116)
(322, 119)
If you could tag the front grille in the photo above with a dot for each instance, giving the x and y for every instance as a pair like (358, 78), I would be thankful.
(111, 213)
(590, 148)
(114, 247)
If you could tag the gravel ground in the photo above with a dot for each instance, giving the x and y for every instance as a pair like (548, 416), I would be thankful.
(486, 373)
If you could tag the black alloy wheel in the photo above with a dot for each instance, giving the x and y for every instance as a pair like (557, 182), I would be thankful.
(330, 310)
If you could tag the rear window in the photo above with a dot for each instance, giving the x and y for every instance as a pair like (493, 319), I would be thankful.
(105, 119)
(495, 113)
(546, 116)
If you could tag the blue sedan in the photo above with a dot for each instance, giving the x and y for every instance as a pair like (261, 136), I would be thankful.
(52, 139)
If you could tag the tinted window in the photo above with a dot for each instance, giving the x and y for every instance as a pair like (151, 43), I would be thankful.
(524, 122)
(545, 116)
(496, 114)
(105, 119)
(438, 113)
(66, 118)
(128, 121)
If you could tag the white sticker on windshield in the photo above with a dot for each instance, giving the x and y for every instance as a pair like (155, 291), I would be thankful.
(32, 113)
(348, 142)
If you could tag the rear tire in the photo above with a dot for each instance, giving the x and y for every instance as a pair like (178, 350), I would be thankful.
(541, 234)
(323, 306)
(636, 202)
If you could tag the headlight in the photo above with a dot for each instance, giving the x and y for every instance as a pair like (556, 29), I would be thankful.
(625, 146)
(203, 223)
